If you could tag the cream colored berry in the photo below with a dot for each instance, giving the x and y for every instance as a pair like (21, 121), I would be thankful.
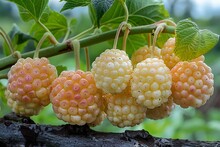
(75, 98)
(112, 71)
(122, 109)
(145, 52)
(192, 83)
(162, 111)
(151, 83)
(29, 82)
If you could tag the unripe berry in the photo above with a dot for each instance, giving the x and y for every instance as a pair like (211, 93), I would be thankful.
(75, 98)
(151, 83)
(145, 52)
(122, 109)
(29, 82)
(162, 111)
(112, 71)
(192, 83)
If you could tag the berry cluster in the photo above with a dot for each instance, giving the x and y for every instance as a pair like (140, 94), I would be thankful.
(123, 90)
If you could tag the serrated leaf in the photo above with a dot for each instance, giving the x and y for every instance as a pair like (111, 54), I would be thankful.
(60, 68)
(18, 38)
(191, 42)
(31, 9)
(56, 23)
(141, 12)
(100, 7)
(70, 4)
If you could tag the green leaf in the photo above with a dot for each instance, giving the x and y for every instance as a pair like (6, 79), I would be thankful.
(19, 40)
(31, 9)
(56, 23)
(141, 12)
(70, 4)
(100, 7)
(191, 42)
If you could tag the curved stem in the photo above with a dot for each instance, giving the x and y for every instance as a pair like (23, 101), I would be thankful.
(7, 40)
(126, 10)
(76, 47)
(66, 36)
(127, 31)
(83, 33)
(45, 36)
(54, 41)
(61, 48)
(86, 49)
(118, 33)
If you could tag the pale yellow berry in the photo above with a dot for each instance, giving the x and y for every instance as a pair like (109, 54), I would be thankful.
(122, 109)
(151, 83)
(112, 71)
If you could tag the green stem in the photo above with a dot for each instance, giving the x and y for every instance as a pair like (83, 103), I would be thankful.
(66, 36)
(8, 61)
(36, 54)
(53, 41)
(82, 33)
(149, 39)
(125, 9)
(86, 49)
(7, 40)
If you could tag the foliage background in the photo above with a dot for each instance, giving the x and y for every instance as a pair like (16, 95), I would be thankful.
(194, 124)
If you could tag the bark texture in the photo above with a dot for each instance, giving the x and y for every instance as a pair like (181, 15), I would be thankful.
(17, 131)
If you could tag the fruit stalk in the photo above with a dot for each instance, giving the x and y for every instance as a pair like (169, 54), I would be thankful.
(8, 61)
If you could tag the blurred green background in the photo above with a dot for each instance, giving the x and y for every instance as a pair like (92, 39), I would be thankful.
(193, 124)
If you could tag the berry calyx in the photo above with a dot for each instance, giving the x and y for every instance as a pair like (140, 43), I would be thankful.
(122, 109)
(145, 52)
(112, 71)
(192, 83)
(151, 83)
(29, 82)
(75, 98)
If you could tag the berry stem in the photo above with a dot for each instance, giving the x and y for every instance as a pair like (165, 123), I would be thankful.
(7, 40)
(76, 47)
(61, 48)
(67, 35)
(53, 41)
(125, 9)
(80, 35)
(86, 49)
(159, 29)
(45, 36)
(127, 31)
(118, 34)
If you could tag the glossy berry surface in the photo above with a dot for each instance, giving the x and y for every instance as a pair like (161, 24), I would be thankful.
(112, 71)
(29, 82)
(122, 109)
(192, 83)
(75, 98)
(151, 83)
